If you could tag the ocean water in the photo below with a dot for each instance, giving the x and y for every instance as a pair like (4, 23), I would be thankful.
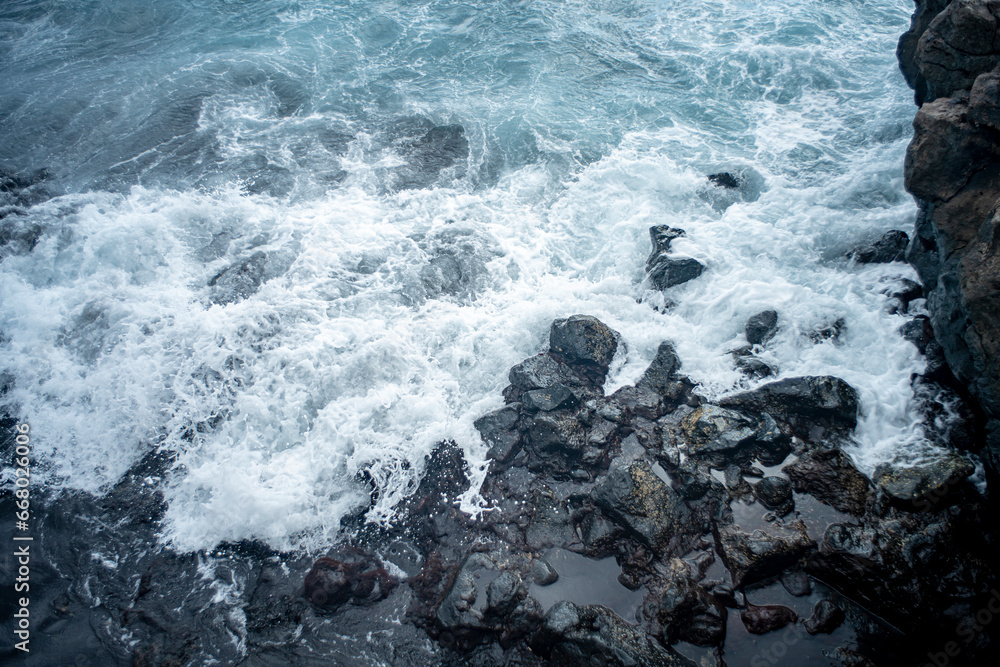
(404, 269)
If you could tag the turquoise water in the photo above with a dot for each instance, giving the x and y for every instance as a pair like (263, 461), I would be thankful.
(184, 137)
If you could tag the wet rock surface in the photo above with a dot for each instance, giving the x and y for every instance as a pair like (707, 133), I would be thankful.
(622, 529)
(239, 280)
(761, 327)
(664, 269)
(950, 58)
(890, 247)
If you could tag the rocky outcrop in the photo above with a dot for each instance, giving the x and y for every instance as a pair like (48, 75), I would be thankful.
(950, 57)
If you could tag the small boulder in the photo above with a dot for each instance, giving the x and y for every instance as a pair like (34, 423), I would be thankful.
(796, 582)
(918, 331)
(829, 476)
(661, 236)
(774, 492)
(665, 271)
(353, 576)
(639, 500)
(759, 620)
(711, 429)
(542, 572)
(826, 618)
(922, 486)
(761, 327)
(765, 552)
(584, 342)
(813, 398)
(661, 376)
(668, 272)
(890, 247)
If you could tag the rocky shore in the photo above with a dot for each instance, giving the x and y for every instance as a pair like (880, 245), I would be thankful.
(648, 526)
(950, 57)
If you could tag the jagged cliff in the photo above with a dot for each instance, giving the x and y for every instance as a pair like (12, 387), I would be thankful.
(950, 57)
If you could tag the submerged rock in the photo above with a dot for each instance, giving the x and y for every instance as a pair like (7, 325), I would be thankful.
(890, 247)
(440, 148)
(725, 180)
(826, 618)
(240, 280)
(594, 636)
(759, 620)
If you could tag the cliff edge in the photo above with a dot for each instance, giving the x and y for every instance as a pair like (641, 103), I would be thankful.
(951, 58)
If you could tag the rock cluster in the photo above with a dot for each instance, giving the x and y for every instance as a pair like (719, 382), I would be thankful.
(670, 486)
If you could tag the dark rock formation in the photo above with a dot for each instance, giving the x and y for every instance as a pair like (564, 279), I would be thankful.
(353, 576)
(761, 327)
(950, 57)
(751, 557)
(829, 476)
(759, 620)
(593, 636)
(922, 485)
(815, 399)
(665, 270)
(684, 610)
(890, 247)
(585, 343)
(775, 493)
(826, 618)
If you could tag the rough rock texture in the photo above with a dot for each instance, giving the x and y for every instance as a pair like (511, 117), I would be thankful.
(665, 270)
(890, 247)
(950, 58)
(761, 327)
(820, 399)
(829, 476)
(592, 635)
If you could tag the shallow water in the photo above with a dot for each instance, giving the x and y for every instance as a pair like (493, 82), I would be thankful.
(401, 281)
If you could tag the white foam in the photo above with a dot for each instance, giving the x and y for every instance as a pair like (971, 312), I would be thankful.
(355, 354)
